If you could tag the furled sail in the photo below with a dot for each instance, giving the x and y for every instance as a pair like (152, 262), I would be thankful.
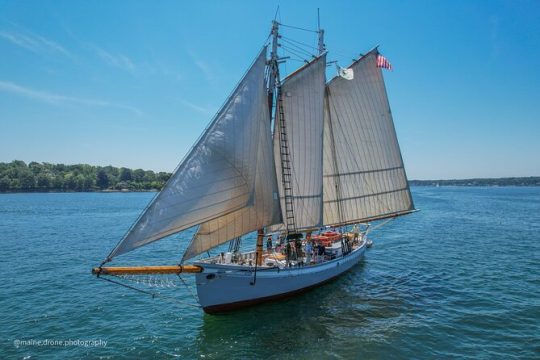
(364, 177)
(263, 211)
(217, 177)
(302, 95)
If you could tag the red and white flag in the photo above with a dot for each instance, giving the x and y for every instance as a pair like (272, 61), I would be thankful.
(382, 62)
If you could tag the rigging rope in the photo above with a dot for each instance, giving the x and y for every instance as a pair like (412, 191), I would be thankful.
(296, 59)
(154, 295)
(299, 43)
(379, 225)
(298, 48)
(299, 28)
(187, 287)
(286, 48)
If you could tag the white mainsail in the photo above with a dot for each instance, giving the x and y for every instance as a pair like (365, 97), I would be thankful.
(302, 95)
(364, 177)
(217, 177)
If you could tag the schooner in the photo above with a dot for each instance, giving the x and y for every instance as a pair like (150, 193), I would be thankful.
(301, 158)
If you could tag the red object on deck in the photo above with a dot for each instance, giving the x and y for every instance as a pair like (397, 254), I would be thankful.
(327, 238)
(332, 236)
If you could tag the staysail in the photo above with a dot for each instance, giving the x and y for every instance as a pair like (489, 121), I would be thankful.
(302, 95)
(218, 175)
(264, 210)
(364, 177)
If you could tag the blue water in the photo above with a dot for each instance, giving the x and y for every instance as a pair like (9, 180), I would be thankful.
(460, 279)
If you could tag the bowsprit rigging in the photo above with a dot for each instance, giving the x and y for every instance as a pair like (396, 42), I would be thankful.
(301, 161)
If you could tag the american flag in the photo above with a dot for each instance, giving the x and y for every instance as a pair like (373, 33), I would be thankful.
(382, 62)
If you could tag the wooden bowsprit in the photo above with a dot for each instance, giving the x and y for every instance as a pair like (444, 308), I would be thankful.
(146, 270)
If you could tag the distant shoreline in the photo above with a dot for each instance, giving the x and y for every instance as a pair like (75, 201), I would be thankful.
(493, 182)
(19, 177)
(413, 183)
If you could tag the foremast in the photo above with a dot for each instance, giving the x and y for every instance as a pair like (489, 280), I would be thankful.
(277, 115)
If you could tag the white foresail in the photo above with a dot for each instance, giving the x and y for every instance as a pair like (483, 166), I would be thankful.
(263, 211)
(364, 177)
(302, 94)
(217, 177)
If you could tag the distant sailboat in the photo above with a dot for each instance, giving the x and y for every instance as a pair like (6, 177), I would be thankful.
(332, 160)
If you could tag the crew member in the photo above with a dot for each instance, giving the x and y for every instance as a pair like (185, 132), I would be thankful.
(269, 244)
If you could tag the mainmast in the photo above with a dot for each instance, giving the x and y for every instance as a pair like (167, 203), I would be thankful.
(322, 47)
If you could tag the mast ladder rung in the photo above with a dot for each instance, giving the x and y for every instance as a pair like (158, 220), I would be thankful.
(286, 168)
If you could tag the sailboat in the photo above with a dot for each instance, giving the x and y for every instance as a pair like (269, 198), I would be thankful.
(301, 158)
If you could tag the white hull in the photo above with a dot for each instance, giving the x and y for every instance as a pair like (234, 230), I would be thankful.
(224, 287)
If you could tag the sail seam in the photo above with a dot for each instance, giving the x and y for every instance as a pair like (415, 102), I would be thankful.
(365, 196)
(304, 196)
(236, 208)
(197, 198)
(364, 172)
(377, 217)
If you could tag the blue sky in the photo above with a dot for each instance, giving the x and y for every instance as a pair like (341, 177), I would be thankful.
(134, 83)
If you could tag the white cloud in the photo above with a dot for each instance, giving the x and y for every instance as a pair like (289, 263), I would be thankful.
(57, 99)
(116, 60)
(198, 108)
(202, 65)
(34, 43)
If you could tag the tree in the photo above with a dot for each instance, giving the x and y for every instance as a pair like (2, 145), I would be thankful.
(102, 179)
(89, 183)
(5, 184)
(138, 175)
(18, 164)
(149, 176)
(59, 167)
(69, 182)
(27, 180)
(156, 185)
(79, 182)
(58, 182)
(121, 186)
(35, 167)
(43, 181)
(163, 177)
(125, 174)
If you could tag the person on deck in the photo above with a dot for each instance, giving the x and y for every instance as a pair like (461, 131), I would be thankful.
(356, 233)
(289, 251)
(320, 252)
(309, 250)
(298, 248)
(269, 244)
(293, 255)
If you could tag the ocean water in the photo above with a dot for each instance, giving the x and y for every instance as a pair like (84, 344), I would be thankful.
(459, 279)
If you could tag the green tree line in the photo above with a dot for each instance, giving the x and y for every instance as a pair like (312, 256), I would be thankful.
(17, 176)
